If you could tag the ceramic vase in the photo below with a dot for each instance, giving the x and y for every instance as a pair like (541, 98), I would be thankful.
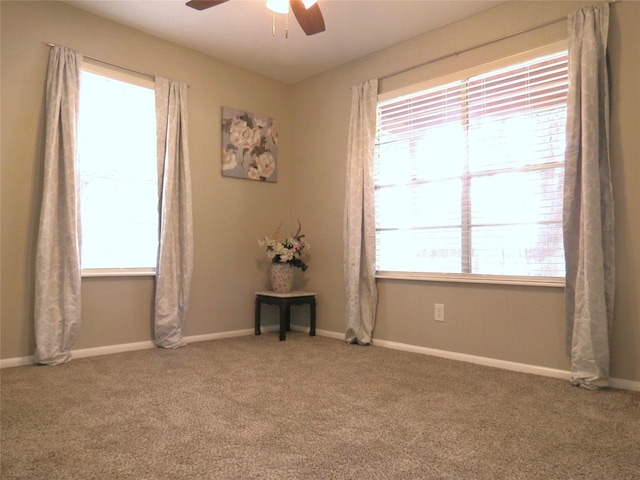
(281, 277)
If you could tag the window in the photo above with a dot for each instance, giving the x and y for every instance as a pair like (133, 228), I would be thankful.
(118, 172)
(469, 176)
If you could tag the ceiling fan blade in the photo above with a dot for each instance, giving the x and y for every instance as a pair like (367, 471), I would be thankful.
(310, 19)
(204, 4)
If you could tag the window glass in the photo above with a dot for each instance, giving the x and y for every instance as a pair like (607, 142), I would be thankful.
(118, 173)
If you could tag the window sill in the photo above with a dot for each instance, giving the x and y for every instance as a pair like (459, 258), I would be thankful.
(469, 278)
(118, 272)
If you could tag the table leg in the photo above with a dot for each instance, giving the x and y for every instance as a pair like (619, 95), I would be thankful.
(257, 317)
(312, 320)
(284, 319)
(288, 317)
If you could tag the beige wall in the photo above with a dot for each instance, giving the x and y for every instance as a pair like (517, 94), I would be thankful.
(511, 323)
(229, 214)
(519, 324)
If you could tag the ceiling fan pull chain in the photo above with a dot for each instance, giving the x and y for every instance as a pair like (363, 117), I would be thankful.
(273, 27)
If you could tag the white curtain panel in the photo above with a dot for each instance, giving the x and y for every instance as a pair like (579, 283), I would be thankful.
(57, 287)
(175, 253)
(588, 201)
(359, 217)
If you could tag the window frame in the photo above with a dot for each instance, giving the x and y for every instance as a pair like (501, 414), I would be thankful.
(115, 72)
(442, 80)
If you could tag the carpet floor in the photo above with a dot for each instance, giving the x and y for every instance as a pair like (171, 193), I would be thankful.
(307, 408)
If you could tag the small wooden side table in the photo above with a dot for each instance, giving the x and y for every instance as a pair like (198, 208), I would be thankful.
(284, 302)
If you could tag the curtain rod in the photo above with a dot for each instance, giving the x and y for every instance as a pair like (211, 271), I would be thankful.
(110, 64)
(113, 64)
(490, 42)
(459, 52)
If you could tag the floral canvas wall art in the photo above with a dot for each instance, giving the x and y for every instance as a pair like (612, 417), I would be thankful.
(249, 145)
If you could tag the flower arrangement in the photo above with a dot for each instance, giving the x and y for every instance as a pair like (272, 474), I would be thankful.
(289, 250)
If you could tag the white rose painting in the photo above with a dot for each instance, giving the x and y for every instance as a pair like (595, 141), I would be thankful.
(249, 145)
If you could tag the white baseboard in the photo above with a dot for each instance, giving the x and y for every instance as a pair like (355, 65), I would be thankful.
(490, 362)
(506, 365)
(218, 336)
(109, 349)
(126, 347)
(624, 384)
(16, 362)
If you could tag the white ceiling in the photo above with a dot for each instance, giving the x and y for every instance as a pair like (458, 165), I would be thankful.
(240, 31)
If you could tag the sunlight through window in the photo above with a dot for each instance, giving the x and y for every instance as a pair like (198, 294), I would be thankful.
(117, 164)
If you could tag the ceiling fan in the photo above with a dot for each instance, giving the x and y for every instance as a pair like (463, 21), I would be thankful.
(307, 12)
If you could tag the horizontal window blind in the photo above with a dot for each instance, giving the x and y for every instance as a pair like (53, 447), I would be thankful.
(469, 174)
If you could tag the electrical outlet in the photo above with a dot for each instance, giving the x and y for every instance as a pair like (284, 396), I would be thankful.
(439, 312)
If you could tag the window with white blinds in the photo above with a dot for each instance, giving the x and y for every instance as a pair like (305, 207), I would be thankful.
(469, 175)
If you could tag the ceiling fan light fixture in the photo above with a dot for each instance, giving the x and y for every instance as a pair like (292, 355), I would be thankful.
(307, 13)
(278, 6)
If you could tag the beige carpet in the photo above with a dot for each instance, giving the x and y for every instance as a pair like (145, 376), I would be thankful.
(308, 408)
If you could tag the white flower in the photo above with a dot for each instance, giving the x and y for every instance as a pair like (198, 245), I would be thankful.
(228, 160)
(260, 122)
(236, 131)
(243, 137)
(284, 253)
(253, 174)
(266, 164)
(289, 251)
